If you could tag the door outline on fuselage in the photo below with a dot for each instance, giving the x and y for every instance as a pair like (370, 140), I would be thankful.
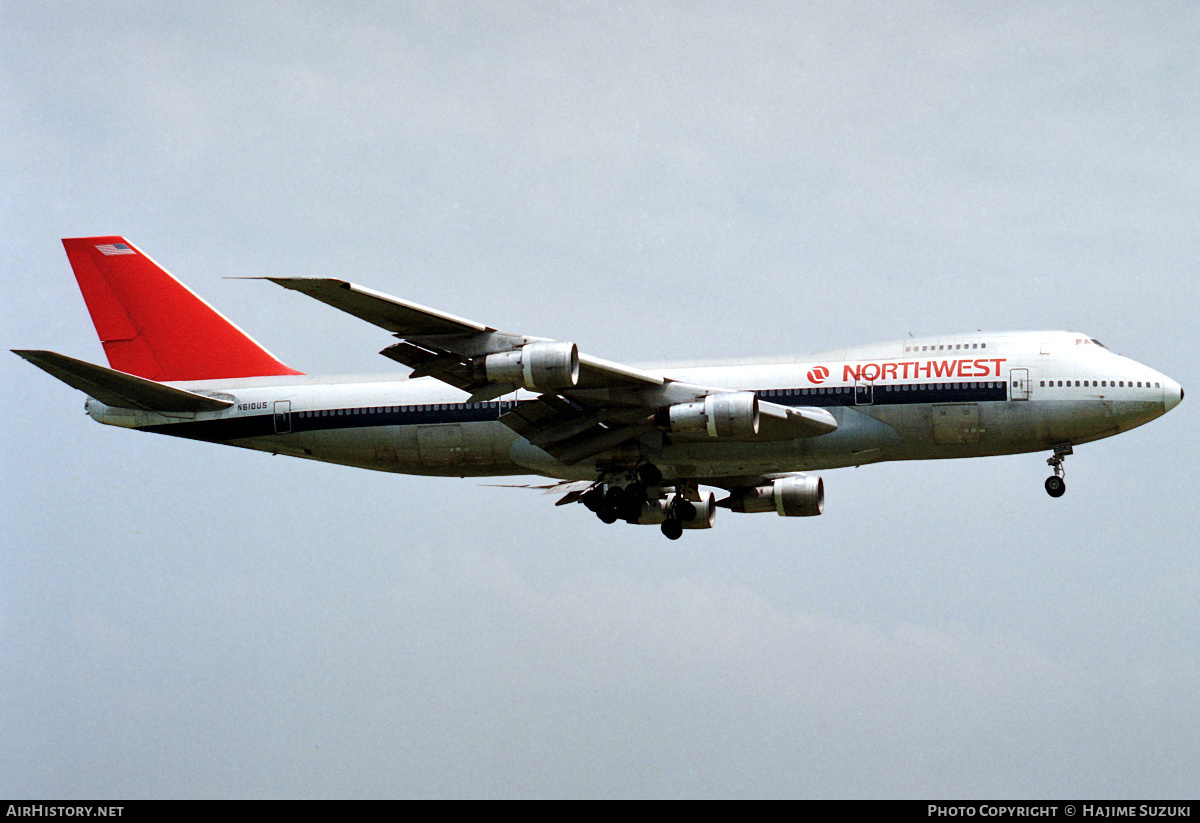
(864, 394)
(283, 416)
(1019, 387)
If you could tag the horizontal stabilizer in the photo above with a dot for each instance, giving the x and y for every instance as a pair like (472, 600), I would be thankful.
(114, 388)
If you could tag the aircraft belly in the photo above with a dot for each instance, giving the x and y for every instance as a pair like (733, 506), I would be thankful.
(458, 448)
(452, 450)
(860, 438)
(951, 430)
(1035, 425)
(956, 423)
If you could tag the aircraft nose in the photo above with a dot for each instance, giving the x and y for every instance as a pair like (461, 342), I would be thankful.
(1172, 394)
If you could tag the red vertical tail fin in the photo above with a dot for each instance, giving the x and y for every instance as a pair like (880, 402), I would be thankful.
(152, 325)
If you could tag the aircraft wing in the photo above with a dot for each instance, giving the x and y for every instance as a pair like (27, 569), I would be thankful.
(436, 344)
(586, 405)
(402, 318)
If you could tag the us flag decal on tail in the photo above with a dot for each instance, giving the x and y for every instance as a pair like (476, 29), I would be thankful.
(109, 249)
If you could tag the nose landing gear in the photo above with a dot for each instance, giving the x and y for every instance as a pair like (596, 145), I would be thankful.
(1055, 485)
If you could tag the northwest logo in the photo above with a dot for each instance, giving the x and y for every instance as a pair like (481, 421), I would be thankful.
(818, 374)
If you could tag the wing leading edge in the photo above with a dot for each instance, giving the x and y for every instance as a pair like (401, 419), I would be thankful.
(441, 345)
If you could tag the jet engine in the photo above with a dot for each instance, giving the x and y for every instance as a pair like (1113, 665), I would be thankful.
(728, 414)
(535, 366)
(691, 514)
(788, 496)
(641, 506)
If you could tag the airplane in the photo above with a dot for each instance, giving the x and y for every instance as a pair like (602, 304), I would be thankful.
(630, 443)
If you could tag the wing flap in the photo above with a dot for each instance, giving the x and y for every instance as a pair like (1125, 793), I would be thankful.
(602, 441)
(570, 433)
(445, 366)
(546, 413)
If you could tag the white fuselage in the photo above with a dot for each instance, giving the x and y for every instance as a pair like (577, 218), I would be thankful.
(957, 396)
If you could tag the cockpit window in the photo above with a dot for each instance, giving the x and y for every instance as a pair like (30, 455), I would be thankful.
(1098, 343)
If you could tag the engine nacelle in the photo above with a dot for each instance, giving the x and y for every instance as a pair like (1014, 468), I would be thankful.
(655, 511)
(535, 366)
(787, 496)
(706, 512)
(728, 414)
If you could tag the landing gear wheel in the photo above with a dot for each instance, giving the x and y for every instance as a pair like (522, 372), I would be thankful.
(685, 510)
(593, 499)
(1055, 485)
(672, 529)
(607, 514)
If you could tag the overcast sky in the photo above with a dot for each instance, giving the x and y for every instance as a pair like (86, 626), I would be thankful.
(651, 181)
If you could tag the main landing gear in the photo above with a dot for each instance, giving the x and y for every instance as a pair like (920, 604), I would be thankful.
(611, 502)
(681, 511)
(1055, 485)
